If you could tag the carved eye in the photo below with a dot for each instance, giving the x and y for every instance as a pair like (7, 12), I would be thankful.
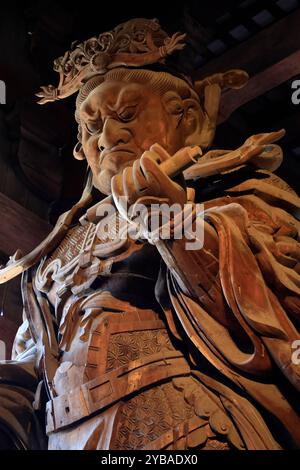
(127, 114)
(93, 127)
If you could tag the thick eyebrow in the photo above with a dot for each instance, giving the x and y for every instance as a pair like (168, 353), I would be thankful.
(126, 98)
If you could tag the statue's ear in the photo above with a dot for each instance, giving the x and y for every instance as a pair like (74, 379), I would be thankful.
(199, 125)
(192, 122)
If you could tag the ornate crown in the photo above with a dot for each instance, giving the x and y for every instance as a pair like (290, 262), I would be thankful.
(136, 43)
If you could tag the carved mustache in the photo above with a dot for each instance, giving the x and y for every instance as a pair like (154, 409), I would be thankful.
(117, 155)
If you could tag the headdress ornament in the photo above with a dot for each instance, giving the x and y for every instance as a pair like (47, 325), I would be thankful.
(136, 43)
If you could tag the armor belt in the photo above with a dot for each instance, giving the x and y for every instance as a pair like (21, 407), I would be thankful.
(99, 393)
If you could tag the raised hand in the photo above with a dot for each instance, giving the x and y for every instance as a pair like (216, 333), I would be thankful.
(147, 182)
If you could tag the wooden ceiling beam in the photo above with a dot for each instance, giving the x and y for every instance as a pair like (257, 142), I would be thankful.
(268, 47)
(260, 84)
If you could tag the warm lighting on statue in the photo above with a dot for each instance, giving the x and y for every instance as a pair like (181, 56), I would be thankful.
(150, 341)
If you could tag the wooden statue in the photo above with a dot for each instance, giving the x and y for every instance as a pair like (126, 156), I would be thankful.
(141, 343)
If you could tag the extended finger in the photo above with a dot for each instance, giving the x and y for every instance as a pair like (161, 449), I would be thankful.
(129, 189)
(151, 171)
(117, 185)
(139, 180)
(117, 192)
(160, 152)
(165, 186)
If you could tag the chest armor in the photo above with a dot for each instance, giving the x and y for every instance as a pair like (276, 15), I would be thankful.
(110, 333)
(120, 382)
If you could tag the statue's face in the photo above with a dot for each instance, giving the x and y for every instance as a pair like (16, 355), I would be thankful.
(119, 122)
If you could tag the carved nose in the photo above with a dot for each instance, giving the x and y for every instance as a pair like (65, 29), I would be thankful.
(113, 134)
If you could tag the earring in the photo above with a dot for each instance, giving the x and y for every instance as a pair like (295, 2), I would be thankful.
(78, 152)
